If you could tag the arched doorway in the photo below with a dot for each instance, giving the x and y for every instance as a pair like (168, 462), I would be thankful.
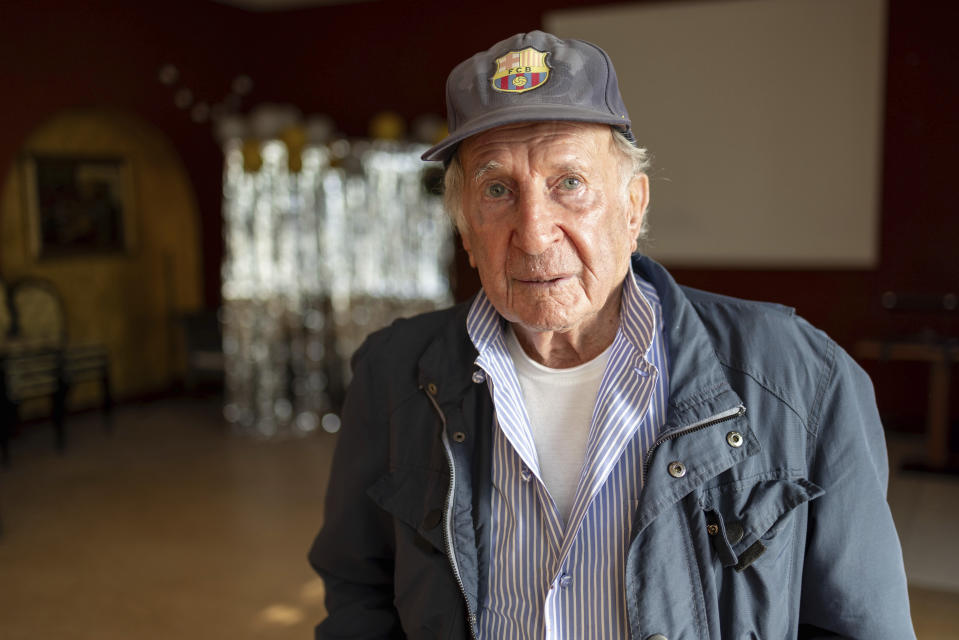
(126, 295)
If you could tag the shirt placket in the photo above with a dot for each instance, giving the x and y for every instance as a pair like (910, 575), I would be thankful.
(514, 424)
(615, 423)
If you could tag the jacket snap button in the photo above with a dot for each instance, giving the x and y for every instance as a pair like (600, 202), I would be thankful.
(657, 636)
(712, 529)
(459, 436)
(734, 438)
(677, 469)
(735, 532)
(431, 388)
(433, 519)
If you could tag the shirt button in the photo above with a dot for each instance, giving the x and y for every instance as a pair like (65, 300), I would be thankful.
(479, 376)
(677, 469)
(657, 636)
(526, 474)
(565, 580)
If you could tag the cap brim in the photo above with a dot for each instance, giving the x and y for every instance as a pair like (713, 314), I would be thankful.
(515, 114)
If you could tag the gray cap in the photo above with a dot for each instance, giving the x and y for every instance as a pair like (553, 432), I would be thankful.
(530, 77)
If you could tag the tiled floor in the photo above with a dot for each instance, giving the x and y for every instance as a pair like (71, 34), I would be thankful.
(169, 528)
(172, 528)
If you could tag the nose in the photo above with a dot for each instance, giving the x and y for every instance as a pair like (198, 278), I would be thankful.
(536, 223)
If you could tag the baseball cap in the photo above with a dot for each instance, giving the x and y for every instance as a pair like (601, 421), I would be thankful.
(530, 77)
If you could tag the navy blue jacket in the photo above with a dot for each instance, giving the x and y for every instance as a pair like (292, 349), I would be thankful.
(778, 529)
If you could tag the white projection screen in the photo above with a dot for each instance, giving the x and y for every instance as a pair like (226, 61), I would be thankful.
(763, 118)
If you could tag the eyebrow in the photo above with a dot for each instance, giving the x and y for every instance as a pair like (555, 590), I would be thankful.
(486, 168)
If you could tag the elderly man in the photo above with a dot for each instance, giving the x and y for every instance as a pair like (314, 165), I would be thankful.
(586, 449)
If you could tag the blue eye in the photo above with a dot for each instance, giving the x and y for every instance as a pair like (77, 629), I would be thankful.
(495, 190)
(571, 182)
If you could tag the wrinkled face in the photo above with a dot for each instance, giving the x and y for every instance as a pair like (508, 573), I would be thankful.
(549, 221)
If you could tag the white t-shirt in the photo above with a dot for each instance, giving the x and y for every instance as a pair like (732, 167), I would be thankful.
(560, 405)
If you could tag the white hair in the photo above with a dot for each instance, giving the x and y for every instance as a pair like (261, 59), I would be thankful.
(634, 161)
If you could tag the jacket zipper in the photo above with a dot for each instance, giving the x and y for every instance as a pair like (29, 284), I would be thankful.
(725, 416)
(447, 518)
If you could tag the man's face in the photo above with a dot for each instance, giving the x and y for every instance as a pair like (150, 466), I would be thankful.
(549, 222)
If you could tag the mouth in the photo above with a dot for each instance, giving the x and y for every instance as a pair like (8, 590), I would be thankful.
(541, 282)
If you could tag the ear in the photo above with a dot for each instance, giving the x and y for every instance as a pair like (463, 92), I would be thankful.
(638, 201)
(467, 249)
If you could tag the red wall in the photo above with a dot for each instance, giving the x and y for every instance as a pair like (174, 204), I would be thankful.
(354, 60)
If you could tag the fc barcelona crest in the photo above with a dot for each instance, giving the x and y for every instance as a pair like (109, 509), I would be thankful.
(520, 71)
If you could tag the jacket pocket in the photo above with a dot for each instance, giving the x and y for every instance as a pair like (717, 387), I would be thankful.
(425, 593)
(416, 498)
(744, 519)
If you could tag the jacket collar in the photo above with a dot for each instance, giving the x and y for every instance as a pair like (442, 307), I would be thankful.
(698, 388)
(448, 360)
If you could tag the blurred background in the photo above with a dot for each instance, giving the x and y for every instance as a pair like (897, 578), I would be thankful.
(205, 206)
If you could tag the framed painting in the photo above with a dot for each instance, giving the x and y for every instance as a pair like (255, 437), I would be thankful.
(78, 205)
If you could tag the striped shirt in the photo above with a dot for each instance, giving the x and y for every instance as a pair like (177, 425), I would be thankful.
(546, 579)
